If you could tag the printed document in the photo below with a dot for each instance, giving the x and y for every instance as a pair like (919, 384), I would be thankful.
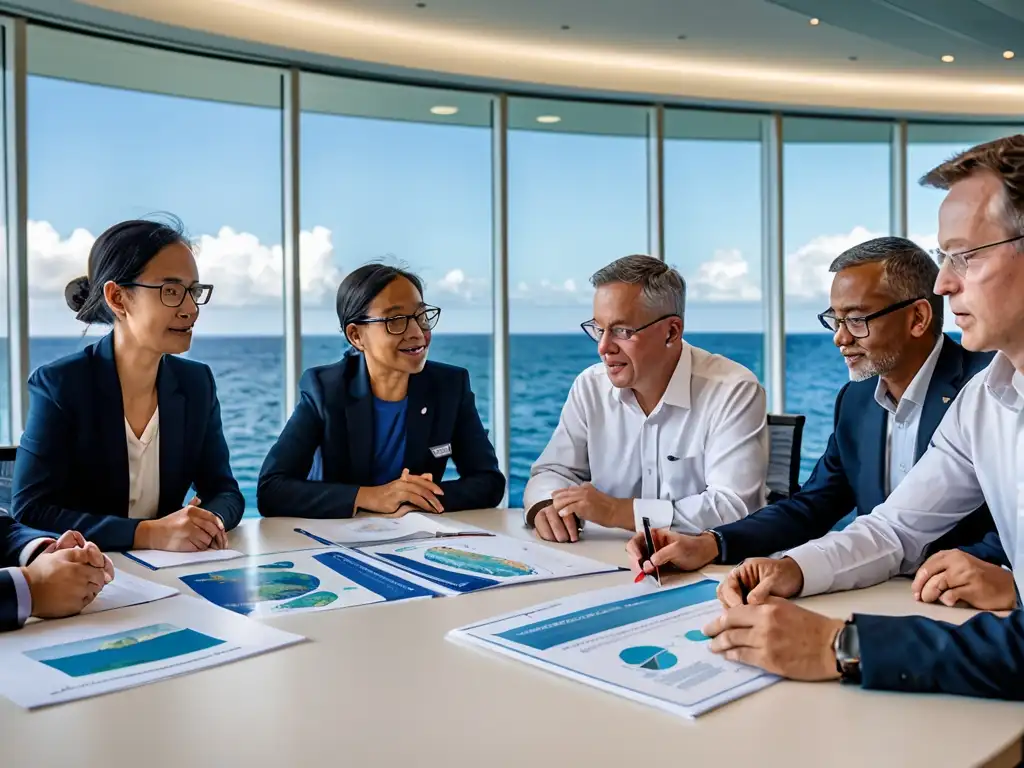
(639, 641)
(126, 590)
(158, 558)
(363, 531)
(57, 661)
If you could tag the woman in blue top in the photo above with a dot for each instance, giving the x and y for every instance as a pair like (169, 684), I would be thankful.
(119, 432)
(374, 431)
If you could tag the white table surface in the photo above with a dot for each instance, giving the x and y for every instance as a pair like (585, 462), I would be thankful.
(380, 685)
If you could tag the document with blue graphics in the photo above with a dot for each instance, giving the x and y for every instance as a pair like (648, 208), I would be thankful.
(457, 566)
(639, 641)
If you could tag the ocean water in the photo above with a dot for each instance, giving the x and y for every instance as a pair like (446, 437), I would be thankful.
(250, 382)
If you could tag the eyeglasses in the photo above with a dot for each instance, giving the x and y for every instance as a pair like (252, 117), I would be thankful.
(595, 332)
(396, 325)
(173, 294)
(960, 261)
(858, 326)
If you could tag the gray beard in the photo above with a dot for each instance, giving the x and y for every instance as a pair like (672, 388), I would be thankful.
(877, 367)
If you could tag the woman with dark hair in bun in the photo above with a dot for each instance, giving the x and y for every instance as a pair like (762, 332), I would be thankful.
(118, 433)
(374, 431)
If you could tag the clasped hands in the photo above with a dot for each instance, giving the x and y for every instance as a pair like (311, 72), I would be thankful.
(190, 529)
(66, 576)
(560, 520)
(409, 493)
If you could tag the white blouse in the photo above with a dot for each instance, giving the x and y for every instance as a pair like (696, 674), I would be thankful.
(144, 469)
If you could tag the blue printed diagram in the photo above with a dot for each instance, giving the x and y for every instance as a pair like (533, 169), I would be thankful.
(157, 642)
(240, 589)
(648, 657)
(476, 562)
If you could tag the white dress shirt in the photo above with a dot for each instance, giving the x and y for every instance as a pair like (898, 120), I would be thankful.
(975, 456)
(21, 590)
(904, 419)
(144, 469)
(697, 461)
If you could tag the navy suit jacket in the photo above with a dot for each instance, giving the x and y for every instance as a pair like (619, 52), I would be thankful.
(851, 473)
(332, 429)
(72, 467)
(13, 538)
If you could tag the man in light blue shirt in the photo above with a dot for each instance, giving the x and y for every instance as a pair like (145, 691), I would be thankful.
(44, 577)
(976, 455)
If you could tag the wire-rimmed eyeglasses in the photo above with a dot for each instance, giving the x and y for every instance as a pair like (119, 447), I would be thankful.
(960, 261)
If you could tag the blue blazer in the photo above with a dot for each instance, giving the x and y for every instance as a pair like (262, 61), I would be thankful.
(72, 467)
(851, 473)
(331, 433)
(13, 539)
(984, 656)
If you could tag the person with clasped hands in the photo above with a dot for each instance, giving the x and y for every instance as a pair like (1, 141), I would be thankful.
(374, 431)
(119, 433)
(659, 429)
(975, 456)
(45, 577)
(887, 323)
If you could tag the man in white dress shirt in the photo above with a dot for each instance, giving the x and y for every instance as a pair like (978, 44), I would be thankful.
(658, 429)
(977, 454)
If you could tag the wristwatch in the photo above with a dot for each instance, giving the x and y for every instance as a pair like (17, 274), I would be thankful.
(847, 650)
(720, 541)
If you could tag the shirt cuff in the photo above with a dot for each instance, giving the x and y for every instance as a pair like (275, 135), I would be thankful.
(30, 550)
(23, 593)
(658, 511)
(815, 566)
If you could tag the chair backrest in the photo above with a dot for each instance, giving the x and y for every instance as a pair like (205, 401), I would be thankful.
(785, 433)
(7, 457)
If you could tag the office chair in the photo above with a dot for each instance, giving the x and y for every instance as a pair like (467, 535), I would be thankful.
(785, 433)
(7, 456)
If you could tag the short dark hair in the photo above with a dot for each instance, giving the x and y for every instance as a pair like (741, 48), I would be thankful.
(361, 286)
(120, 255)
(908, 271)
(663, 288)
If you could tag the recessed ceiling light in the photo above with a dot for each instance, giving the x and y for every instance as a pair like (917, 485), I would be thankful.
(852, 58)
(549, 119)
(1008, 54)
(421, 5)
(815, 22)
(565, 27)
(948, 58)
(443, 110)
(681, 37)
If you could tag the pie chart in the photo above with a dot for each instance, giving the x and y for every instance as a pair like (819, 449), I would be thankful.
(648, 657)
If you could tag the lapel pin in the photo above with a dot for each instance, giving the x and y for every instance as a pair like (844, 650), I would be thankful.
(424, 411)
(945, 400)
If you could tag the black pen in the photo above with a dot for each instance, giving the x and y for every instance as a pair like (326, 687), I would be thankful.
(314, 537)
(650, 546)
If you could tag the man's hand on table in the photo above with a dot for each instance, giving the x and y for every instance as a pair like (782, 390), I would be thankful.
(953, 576)
(560, 520)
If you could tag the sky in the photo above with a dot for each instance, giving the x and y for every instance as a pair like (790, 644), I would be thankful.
(420, 195)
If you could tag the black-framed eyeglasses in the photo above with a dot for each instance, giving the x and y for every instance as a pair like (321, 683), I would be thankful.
(595, 332)
(173, 293)
(858, 326)
(396, 325)
(961, 261)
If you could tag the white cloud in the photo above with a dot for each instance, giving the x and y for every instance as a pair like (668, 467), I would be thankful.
(546, 293)
(807, 275)
(458, 288)
(726, 277)
(244, 271)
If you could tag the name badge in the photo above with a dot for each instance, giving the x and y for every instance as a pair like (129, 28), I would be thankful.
(440, 451)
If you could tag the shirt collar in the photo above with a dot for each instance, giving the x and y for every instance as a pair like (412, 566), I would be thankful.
(677, 392)
(918, 388)
(1004, 383)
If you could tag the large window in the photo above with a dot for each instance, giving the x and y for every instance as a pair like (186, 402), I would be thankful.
(836, 193)
(119, 131)
(577, 201)
(401, 175)
(713, 228)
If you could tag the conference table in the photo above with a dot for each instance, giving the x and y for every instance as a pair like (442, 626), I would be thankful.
(381, 685)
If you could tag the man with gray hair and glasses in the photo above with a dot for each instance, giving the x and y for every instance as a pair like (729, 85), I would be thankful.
(658, 429)
(904, 373)
(976, 455)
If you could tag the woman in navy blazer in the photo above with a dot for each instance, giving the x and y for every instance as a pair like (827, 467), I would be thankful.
(374, 431)
(84, 462)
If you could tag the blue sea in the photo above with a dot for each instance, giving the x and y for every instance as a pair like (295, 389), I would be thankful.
(250, 381)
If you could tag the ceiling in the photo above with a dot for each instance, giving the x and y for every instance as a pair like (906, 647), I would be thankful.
(867, 56)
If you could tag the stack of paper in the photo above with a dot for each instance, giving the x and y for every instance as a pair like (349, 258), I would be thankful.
(363, 531)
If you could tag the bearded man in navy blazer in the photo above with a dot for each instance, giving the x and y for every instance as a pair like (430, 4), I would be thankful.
(904, 374)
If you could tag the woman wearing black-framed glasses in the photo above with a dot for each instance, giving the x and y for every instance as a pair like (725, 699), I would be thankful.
(374, 431)
(120, 434)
